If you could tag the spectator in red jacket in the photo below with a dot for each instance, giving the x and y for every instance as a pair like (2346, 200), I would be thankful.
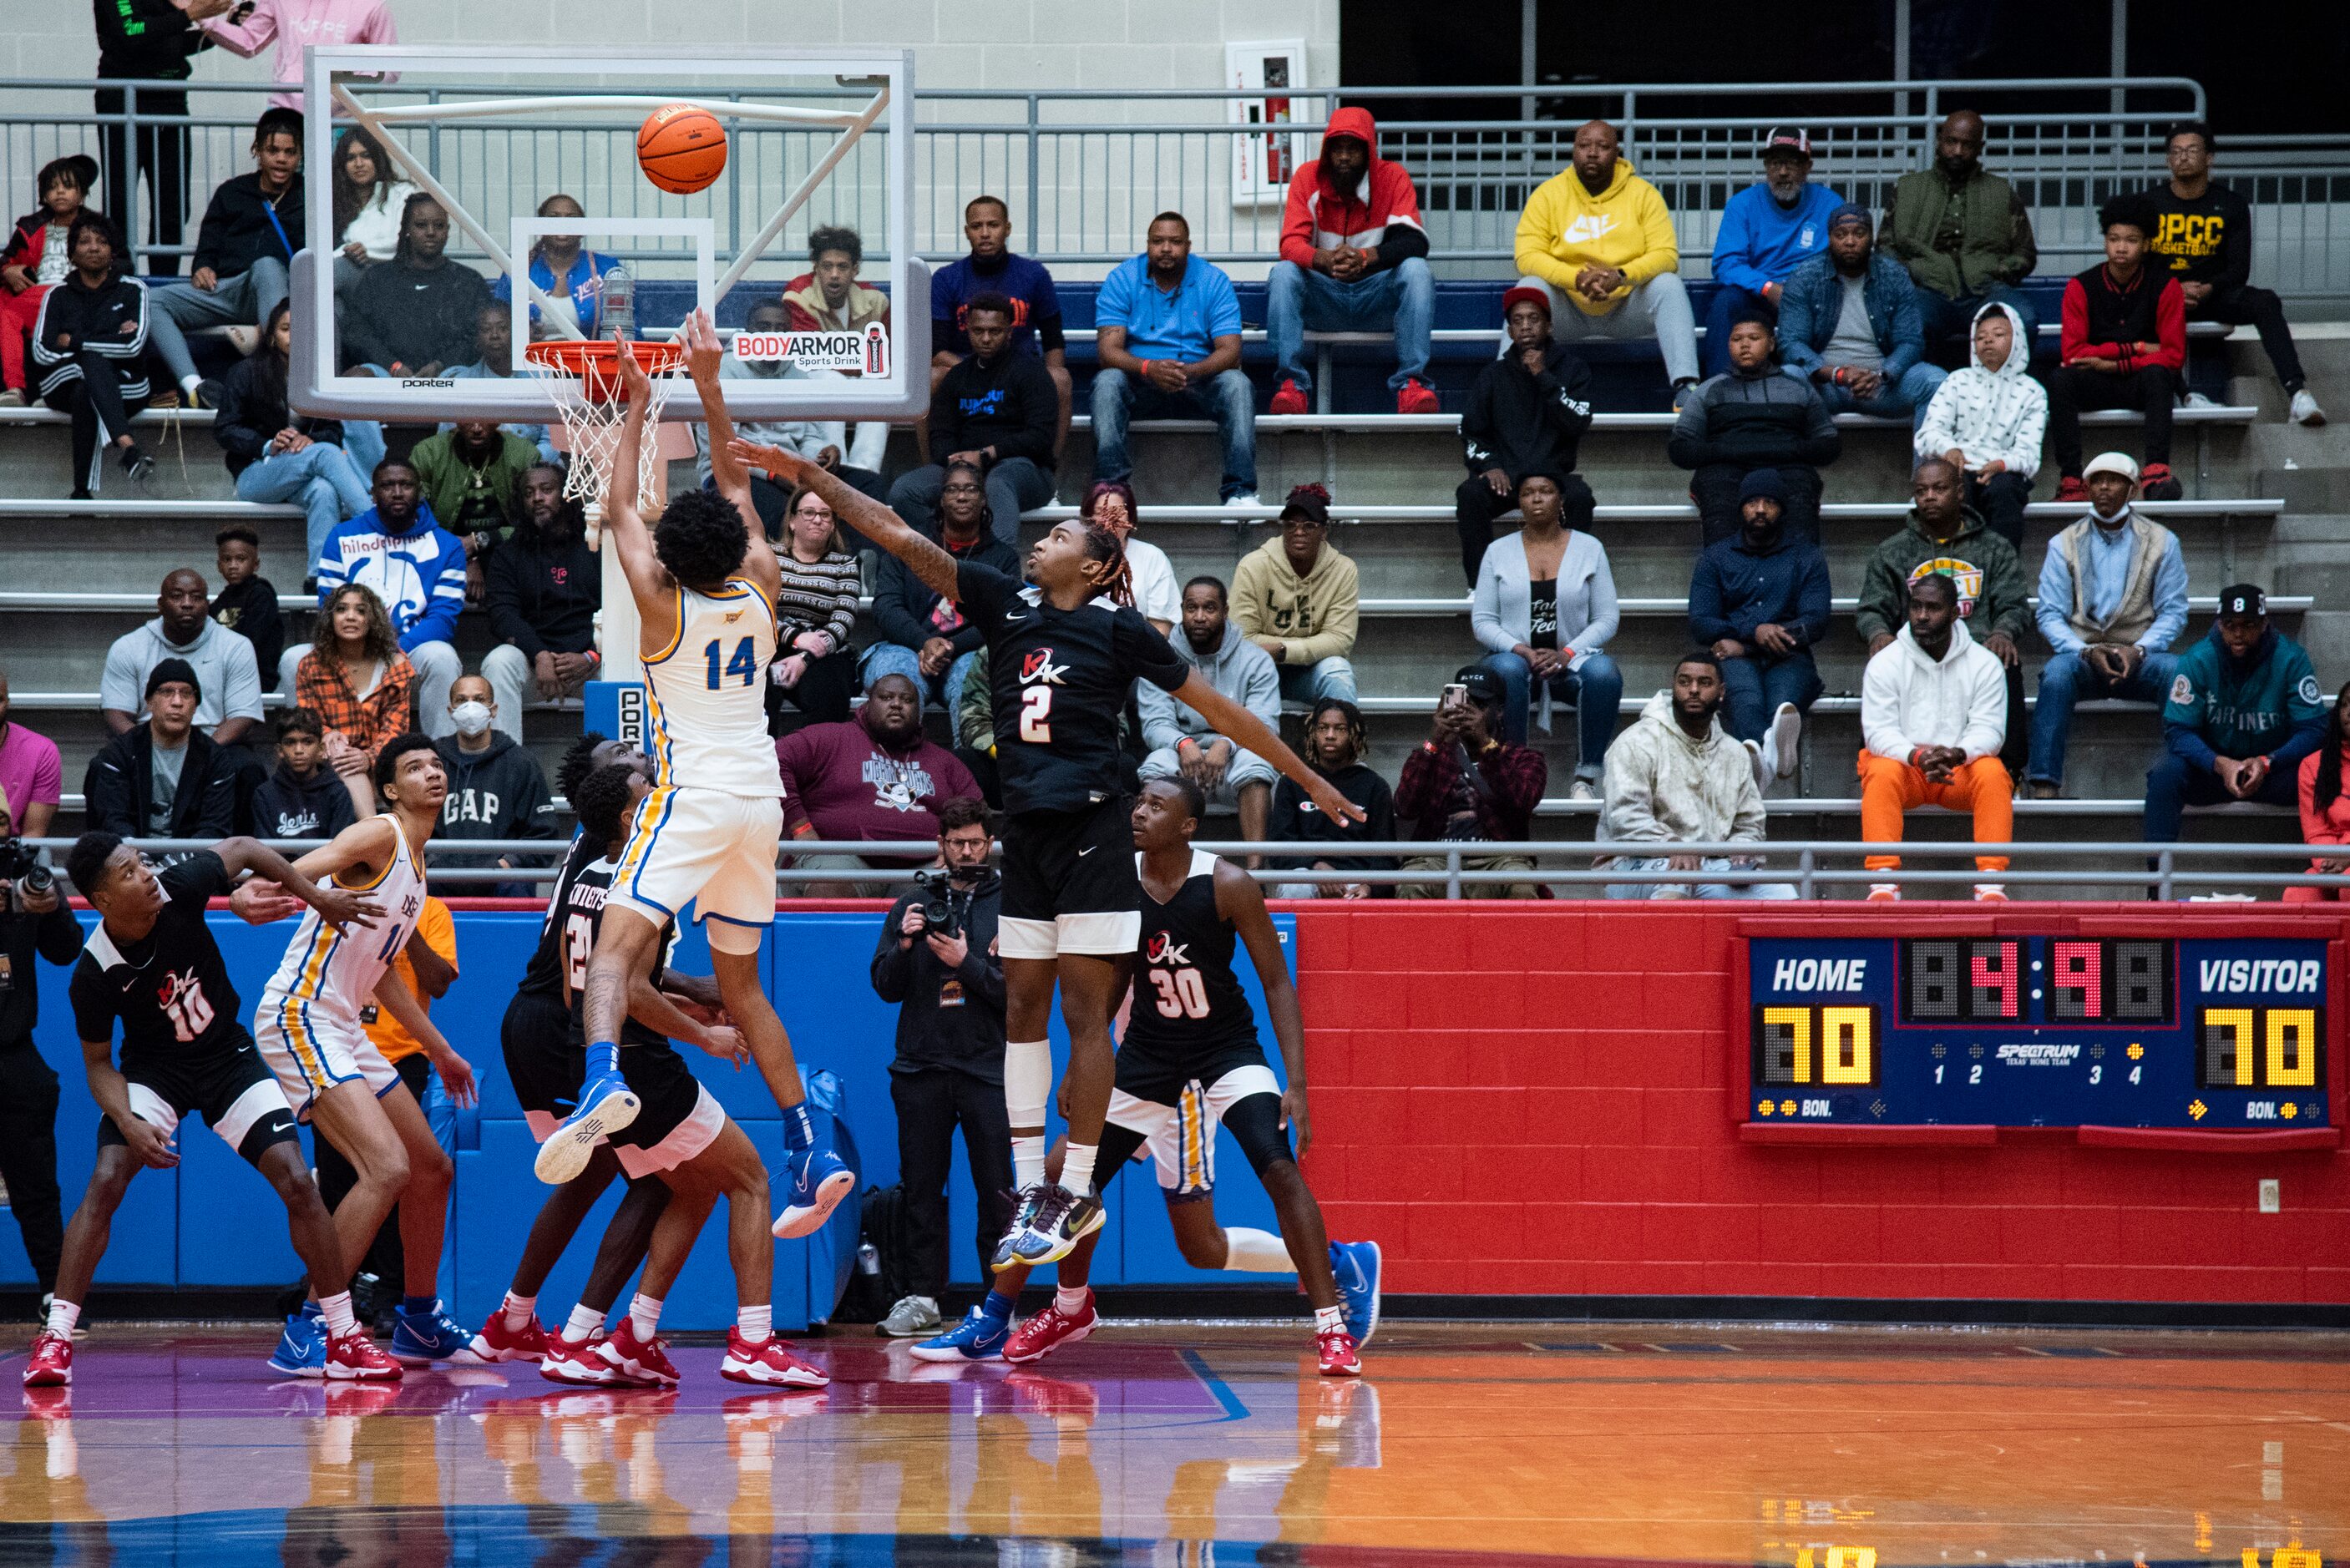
(2123, 346)
(874, 778)
(2324, 808)
(36, 261)
(1354, 258)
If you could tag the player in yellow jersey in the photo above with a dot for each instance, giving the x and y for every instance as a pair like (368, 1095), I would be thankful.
(705, 582)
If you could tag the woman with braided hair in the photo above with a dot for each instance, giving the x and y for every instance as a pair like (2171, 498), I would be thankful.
(1061, 652)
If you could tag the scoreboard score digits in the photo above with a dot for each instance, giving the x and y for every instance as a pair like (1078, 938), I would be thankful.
(2039, 1030)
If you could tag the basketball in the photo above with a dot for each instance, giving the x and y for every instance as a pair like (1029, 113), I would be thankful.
(681, 149)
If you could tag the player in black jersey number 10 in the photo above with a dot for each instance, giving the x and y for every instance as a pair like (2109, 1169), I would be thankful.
(1063, 651)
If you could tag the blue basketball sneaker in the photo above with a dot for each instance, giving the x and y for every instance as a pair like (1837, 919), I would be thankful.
(1356, 1266)
(302, 1349)
(607, 1105)
(1062, 1218)
(819, 1182)
(418, 1337)
(978, 1337)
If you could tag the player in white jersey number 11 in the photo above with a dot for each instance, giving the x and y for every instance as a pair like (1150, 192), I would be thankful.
(704, 581)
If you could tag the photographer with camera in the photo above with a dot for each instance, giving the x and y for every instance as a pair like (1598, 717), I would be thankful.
(937, 960)
(1465, 784)
(33, 920)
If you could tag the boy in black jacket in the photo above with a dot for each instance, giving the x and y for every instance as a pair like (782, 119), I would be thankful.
(247, 603)
(244, 249)
(2203, 237)
(949, 1070)
(997, 409)
(544, 589)
(304, 798)
(1335, 743)
(1526, 414)
(1753, 416)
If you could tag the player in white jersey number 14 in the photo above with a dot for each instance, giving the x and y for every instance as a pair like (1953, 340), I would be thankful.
(705, 582)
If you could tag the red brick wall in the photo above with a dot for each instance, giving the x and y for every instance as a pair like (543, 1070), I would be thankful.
(1519, 1099)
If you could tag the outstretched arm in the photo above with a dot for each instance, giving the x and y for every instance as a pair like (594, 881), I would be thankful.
(703, 354)
(925, 559)
(312, 884)
(1251, 734)
(1240, 900)
(624, 525)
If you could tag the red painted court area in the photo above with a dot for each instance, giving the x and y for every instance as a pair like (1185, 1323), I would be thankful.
(1546, 1101)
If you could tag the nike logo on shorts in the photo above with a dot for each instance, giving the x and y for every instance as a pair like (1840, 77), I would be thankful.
(1083, 853)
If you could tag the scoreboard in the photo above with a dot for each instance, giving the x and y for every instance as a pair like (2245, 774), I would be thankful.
(2039, 1030)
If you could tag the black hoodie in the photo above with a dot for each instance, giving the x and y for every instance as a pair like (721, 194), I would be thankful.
(948, 1019)
(1525, 424)
(238, 227)
(404, 318)
(285, 807)
(1008, 403)
(1297, 820)
(499, 793)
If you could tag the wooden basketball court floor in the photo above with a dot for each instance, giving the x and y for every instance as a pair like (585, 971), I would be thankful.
(1183, 1444)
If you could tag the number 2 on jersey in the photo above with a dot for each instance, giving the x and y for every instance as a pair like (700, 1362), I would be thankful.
(1035, 715)
(743, 666)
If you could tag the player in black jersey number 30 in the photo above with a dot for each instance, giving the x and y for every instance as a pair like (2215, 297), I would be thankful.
(1062, 652)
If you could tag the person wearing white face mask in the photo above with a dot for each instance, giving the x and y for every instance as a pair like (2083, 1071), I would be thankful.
(496, 790)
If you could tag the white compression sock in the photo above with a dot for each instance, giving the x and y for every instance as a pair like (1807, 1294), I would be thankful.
(1027, 1085)
(582, 1326)
(1256, 1252)
(1077, 1169)
(756, 1325)
(644, 1315)
(63, 1316)
(518, 1309)
(336, 1310)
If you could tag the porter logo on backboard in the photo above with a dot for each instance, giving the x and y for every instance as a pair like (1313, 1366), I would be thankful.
(865, 353)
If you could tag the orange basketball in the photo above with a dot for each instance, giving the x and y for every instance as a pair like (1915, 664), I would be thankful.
(681, 149)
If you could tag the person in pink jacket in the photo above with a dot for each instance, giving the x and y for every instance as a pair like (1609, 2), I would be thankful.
(1354, 258)
(292, 25)
(2324, 808)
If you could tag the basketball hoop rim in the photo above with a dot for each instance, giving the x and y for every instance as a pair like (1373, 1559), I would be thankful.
(595, 362)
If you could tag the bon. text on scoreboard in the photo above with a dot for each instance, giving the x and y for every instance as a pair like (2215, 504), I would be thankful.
(2039, 1030)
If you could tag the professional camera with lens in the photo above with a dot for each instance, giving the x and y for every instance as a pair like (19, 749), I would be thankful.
(945, 907)
(24, 868)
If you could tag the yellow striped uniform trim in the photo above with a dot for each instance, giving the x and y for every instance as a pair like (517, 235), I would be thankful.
(398, 849)
(676, 637)
(1192, 1116)
(649, 812)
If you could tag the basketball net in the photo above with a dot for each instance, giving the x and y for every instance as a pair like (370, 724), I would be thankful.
(584, 379)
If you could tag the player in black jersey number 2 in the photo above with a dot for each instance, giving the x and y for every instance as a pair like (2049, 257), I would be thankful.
(1062, 652)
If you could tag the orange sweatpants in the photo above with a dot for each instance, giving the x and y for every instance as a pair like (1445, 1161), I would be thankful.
(1888, 788)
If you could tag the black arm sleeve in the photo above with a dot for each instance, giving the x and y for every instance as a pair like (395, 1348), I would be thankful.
(233, 419)
(2236, 245)
(93, 1007)
(1398, 242)
(946, 415)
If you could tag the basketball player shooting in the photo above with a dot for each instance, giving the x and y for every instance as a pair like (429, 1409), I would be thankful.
(1062, 652)
(704, 583)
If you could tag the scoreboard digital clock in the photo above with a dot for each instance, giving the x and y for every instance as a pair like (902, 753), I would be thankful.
(2027, 1030)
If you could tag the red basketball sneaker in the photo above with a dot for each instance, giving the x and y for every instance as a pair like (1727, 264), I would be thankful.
(641, 1363)
(1048, 1331)
(1338, 1357)
(51, 1363)
(578, 1362)
(354, 1357)
(771, 1361)
(498, 1343)
(1287, 398)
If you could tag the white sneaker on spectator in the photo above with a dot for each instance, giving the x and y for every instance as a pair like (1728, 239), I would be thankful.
(2305, 411)
(1755, 761)
(1787, 740)
(1246, 498)
(2198, 400)
(1580, 789)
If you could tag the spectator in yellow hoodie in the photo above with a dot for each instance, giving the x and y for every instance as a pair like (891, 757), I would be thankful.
(1599, 237)
(1296, 598)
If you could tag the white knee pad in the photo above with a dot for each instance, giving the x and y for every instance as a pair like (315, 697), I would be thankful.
(1027, 1080)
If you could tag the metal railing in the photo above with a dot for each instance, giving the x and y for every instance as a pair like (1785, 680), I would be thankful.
(1814, 868)
(1084, 170)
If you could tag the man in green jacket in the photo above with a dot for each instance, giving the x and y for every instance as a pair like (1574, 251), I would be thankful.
(2244, 709)
(1946, 535)
(1964, 236)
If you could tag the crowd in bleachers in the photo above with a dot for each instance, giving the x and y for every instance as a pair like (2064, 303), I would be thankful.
(1817, 307)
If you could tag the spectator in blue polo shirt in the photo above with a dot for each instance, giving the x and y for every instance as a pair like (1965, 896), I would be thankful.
(1170, 343)
(993, 268)
(1767, 232)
